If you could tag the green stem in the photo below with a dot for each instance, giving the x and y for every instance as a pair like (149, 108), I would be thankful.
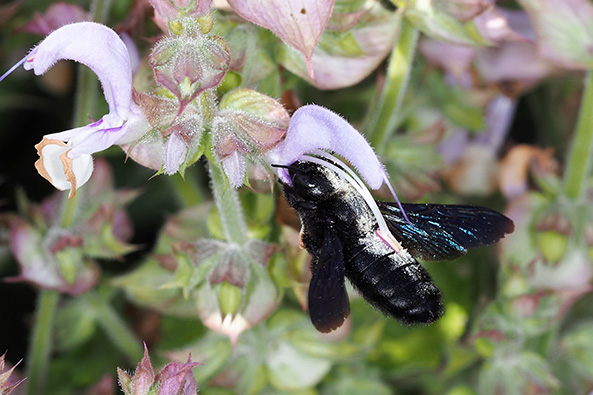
(386, 115)
(115, 328)
(229, 207)
(87, 89)
(579, 158)
(187, 189)
(68, 210)
(100, 10)
(41, 341)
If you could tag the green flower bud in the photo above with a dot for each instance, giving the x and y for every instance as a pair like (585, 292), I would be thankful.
(229, 298)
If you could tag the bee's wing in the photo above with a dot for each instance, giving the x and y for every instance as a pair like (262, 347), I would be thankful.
(442, 231)
(328, 300)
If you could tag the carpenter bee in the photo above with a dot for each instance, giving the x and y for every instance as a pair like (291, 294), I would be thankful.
(375, 244)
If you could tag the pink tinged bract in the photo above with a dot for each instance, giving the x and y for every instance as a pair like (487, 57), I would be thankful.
(336, 66)
(313, 128)
(299, 23)
(564, 30)
(57, 15)
(177, 378)
(99, 48)
(174, 9)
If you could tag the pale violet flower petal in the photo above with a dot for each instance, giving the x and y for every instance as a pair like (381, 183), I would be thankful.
(97, 47)
(313, 127)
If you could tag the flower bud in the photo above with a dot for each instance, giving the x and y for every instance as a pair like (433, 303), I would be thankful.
(553, 231)
(249, 123)
(229, 298)
(187, 66)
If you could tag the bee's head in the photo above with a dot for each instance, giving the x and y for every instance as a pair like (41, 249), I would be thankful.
(310, 181)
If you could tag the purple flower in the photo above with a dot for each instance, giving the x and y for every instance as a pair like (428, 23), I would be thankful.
(313, 128)
(65, 157)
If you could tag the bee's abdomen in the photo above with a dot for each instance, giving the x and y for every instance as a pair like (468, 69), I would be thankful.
(396, 284)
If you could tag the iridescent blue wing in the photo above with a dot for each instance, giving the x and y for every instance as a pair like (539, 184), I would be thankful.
(328, 300)
(443, 232)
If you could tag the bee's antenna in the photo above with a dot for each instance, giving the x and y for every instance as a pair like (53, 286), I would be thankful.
(288, 167)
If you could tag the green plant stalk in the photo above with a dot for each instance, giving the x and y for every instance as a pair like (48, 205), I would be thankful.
(386, 115)
(115, 328)
(100, 10)
(68, 210)
(229, 207)
(187, 189)
(578, 164)
(86, 96)
(41, 341)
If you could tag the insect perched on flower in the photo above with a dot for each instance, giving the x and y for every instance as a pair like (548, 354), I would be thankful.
(375, 244)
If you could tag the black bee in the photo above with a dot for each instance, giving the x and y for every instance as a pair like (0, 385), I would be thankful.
(376, 252)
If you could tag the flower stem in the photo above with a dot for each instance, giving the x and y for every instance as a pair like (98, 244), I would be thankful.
(579, 158)
(68, 210)
(41, 341)
(86, 96)
(100, 10)
(115, 328)
(229, 207)
(187, 189)
(383, 120)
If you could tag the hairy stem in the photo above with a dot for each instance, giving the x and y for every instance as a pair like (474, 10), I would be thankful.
(578, 164)
(383, 120)
(115, 328)
(41, 341)
(229, 207)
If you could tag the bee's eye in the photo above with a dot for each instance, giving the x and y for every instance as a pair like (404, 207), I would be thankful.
(302, 181)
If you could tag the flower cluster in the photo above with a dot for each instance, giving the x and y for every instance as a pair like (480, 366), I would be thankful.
(216, 96)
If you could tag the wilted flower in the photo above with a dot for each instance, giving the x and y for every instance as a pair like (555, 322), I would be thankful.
(65, 157)
(175, 378)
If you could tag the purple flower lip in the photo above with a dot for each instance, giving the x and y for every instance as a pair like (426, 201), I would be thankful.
(312, 130)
